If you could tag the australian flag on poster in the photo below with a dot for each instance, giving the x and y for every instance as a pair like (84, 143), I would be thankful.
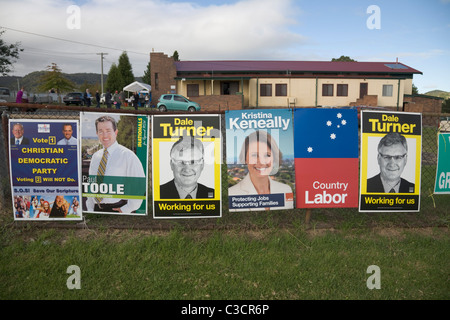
(326, 158)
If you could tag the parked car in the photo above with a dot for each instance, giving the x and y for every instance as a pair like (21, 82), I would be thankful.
(176, 102)
(75, 98)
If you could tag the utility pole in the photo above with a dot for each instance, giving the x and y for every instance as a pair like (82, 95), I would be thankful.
(101, 59)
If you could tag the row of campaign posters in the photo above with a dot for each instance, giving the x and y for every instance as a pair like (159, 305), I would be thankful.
(275, 159)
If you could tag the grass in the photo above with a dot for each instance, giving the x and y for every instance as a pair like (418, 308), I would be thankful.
(270, 264)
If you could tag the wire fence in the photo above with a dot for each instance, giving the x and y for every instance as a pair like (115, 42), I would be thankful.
(434, 208)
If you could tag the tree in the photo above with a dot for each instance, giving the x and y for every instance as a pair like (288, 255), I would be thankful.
(175, 56)
(414, 89)
(344, 59)
(125, 70)
(147, 78)
(446, 106)
(8, 54)
(114, 81)
(54, 79)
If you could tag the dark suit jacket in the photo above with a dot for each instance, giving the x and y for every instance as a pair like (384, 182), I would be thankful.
(374, 184)
(169, 191)
(25, 140)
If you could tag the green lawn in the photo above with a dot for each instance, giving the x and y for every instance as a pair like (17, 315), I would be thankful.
(270, 264)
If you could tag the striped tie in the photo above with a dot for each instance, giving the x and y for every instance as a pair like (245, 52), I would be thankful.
(101, 171)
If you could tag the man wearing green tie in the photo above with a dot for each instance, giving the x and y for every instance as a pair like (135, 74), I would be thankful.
(113, 160)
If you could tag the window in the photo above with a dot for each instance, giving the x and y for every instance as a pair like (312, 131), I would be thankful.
(281, 90)
(327, 90)
(179, 99)
(387, 90)
(266, 90)
(192, 90)
(342, 90)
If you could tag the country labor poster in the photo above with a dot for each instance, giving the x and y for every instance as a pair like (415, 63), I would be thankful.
(186, 158)
(260, 159)
(326, 157)
(114, 157)
(44, 169)
(391, 153)
(442, 185)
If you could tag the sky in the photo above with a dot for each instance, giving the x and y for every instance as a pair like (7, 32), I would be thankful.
(73, 33)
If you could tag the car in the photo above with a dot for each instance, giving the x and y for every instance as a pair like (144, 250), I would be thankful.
(75, 98)
(176, 102)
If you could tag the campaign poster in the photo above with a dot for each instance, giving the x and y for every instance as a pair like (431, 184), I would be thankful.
(186, 162)
(442, 185)
(114, 163)
(260, 159)
(391, 156)
(326, 157)
(44, 169)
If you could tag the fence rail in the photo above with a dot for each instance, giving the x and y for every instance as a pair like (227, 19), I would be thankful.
(434, 208)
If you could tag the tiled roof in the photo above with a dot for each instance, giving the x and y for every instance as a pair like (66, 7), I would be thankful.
(293, 66)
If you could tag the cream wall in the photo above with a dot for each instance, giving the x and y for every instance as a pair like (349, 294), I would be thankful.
(304, 91)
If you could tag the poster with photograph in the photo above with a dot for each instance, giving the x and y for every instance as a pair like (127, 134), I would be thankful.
(442, 185)
(326, 158)
(44, 169)
(186, 159)
(391, 153)
(260, 159)
(114, 163)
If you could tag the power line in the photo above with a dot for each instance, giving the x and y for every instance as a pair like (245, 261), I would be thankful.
(72, 41)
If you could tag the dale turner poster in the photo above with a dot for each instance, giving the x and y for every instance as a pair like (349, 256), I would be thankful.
(186, 159)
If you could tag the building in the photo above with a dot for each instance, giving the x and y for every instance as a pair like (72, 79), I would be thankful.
(225, 85)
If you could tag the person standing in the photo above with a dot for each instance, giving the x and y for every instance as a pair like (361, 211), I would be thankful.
(116, 99)
(108, 99)
(19, 96)
(87, 98)
(97, 97)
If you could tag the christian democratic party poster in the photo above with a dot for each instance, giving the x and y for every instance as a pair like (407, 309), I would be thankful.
(391, 152)
(260, 159)
(326, 157)
(44, 164)
(186, 159)
(115, 156)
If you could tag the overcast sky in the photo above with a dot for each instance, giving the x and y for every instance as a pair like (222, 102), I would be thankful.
(72, 33)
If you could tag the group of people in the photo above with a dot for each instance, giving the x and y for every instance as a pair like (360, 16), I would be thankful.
(118, 98)
(42, 209)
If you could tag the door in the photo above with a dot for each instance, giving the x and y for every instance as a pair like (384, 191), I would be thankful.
(363, 88)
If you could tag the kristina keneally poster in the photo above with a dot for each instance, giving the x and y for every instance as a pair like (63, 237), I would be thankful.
(186, 159)
(326, 157)
(115, 169)
(391, 157)
(44, 169)
(260, 159)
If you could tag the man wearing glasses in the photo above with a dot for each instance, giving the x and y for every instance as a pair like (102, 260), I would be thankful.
(392, 158)
(187, 163)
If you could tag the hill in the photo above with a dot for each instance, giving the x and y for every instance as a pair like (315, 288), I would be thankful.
(31, 80)
(439, 93)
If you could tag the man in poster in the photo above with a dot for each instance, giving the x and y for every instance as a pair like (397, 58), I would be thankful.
(392, 157)
(187, 163)
(113, 160)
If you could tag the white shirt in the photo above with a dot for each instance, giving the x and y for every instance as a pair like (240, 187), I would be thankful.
(122, 162)
(64, 141)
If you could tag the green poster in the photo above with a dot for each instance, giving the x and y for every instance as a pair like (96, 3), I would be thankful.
(443, 166)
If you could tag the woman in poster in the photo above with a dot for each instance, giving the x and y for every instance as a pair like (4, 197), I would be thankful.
(261, 154)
